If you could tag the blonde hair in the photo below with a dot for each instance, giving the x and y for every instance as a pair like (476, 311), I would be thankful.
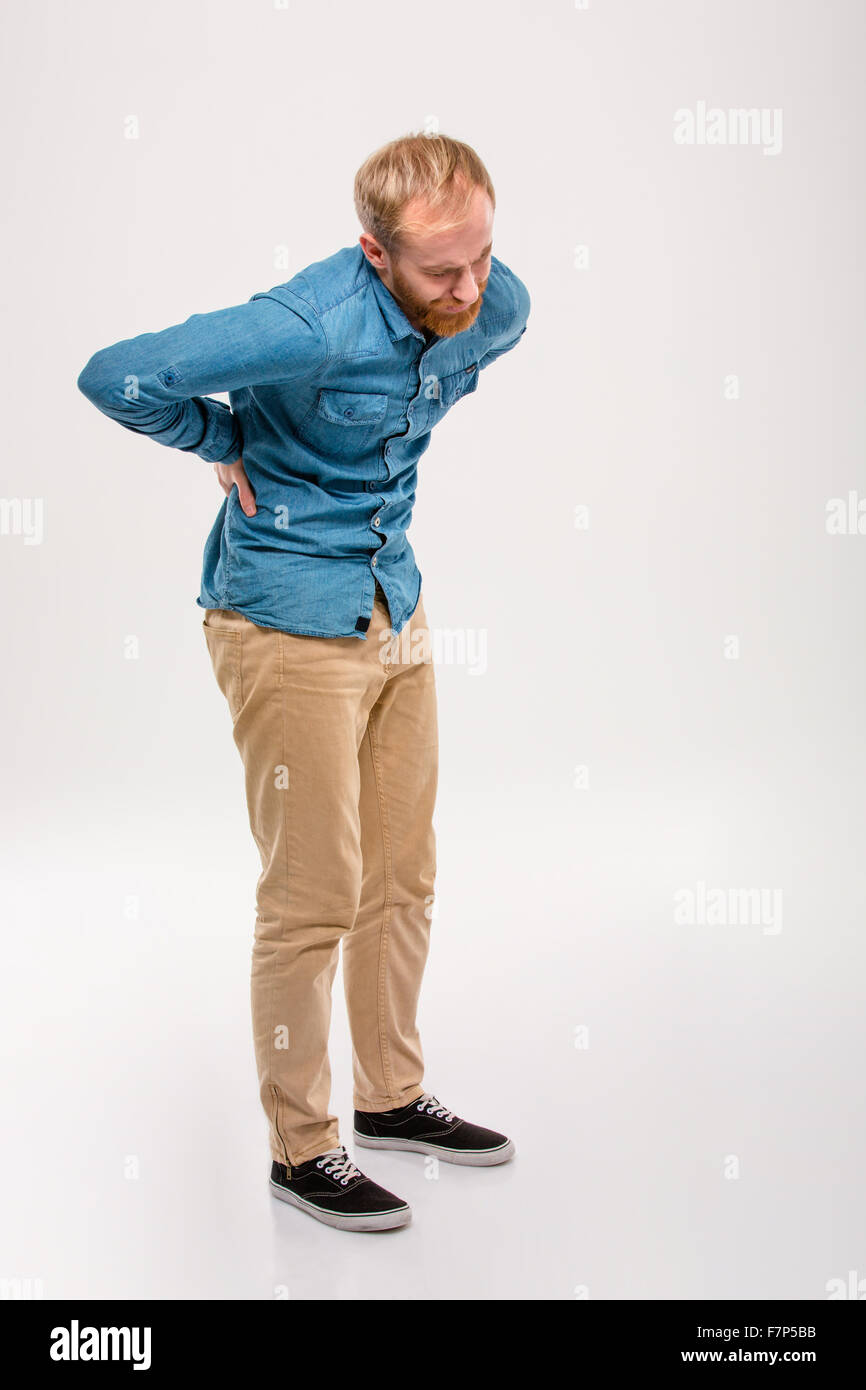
(441, 171)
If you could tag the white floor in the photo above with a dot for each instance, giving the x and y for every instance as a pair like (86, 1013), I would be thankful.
(703, 1140)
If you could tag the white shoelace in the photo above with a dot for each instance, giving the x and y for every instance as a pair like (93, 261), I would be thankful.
(434, 1107)
(337, 1163)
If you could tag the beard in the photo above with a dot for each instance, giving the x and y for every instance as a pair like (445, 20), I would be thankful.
(430, 314)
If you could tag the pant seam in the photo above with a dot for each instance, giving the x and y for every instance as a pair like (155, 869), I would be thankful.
(284, 820)
(384, 935)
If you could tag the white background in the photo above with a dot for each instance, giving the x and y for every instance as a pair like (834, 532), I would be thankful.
(709, 1141)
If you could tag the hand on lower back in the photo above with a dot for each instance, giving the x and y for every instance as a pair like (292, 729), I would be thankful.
(230, 475)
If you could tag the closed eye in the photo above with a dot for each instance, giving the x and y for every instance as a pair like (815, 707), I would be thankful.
(440, 274)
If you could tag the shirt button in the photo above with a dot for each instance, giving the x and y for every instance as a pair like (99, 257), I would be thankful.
(376, 521)
(373, 562)
(348, 412)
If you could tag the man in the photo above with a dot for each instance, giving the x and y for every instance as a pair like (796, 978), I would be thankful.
(316, 629)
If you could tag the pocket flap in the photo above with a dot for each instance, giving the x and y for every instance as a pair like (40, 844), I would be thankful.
(351, 407)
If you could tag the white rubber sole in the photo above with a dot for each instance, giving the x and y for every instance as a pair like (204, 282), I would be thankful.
(470, 1158)
(372, 1221)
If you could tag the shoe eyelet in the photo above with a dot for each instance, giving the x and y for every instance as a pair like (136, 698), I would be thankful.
(343, 1181)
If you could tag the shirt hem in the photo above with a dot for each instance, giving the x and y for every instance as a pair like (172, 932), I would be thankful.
(278, 627)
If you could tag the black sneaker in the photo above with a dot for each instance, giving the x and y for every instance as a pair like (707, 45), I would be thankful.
(426, 1127)
(333, 1190)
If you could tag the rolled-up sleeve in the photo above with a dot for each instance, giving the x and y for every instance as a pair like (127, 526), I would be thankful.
(158, 384)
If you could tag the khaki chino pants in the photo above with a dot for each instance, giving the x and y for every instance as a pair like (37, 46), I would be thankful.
(339, 743)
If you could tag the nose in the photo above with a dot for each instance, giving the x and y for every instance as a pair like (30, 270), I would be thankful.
(466, 290)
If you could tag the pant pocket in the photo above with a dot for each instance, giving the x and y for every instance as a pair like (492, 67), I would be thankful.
(225, 648)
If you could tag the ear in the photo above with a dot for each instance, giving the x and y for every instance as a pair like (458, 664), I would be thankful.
(373, 250)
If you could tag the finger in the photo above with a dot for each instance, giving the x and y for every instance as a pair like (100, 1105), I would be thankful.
(245, 496)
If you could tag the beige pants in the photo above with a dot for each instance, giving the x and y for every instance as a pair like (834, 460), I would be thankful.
(339, 743)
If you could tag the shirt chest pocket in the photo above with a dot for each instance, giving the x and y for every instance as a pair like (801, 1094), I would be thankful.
(344, 424)
(450, 389)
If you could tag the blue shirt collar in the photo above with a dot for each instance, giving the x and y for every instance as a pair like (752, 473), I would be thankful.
(397, 322)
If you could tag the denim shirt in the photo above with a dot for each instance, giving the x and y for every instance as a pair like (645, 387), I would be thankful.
(333, 395)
